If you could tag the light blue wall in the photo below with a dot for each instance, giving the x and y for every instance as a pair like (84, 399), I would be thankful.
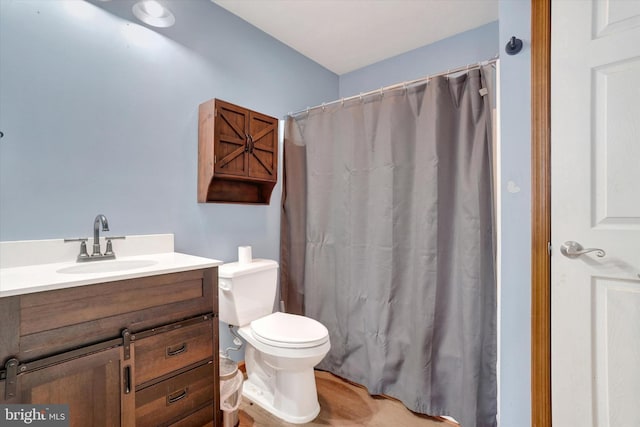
(100, 115)
(515, 118)
(465, 48)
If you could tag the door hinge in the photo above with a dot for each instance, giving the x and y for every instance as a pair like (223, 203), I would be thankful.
(549, 248)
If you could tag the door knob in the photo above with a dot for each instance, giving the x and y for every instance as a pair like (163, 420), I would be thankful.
(572, 249)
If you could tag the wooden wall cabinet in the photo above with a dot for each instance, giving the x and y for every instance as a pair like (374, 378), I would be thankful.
(137, 352)
(237, 154)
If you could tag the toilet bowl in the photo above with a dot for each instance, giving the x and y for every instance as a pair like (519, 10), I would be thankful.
(280, 367)
(282, 349)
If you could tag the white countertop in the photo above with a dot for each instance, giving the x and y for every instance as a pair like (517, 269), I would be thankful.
(24, 279)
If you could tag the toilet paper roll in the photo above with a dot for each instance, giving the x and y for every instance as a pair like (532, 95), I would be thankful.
(244, 255)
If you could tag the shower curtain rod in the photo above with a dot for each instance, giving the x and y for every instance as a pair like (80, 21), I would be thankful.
(399, 85)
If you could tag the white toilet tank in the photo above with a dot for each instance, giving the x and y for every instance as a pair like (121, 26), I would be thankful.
(246, 291)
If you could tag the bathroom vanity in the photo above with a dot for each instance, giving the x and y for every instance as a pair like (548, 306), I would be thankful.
(135, 345)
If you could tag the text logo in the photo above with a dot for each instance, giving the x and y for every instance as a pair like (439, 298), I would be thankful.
(34, 415)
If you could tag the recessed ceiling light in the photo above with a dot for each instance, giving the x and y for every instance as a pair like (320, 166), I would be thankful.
(153, 13)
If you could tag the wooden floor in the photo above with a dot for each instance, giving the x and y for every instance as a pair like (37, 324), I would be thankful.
(345, 404)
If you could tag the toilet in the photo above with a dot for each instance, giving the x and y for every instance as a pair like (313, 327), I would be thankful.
(282, 349)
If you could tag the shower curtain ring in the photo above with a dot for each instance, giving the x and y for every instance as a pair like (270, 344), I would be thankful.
(323, 106)
(381, 92)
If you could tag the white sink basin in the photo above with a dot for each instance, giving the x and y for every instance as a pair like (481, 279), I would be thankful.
(107, 266)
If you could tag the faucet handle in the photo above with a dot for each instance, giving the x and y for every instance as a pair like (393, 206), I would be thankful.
(83, 255)
(79, 239)
(83, 250)
(109, 250)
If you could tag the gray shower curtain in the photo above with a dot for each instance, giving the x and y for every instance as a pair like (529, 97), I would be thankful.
(388, 240)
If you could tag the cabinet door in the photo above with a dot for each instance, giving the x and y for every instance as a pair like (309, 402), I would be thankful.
(230, 140)
(263, 147)
(91, 385)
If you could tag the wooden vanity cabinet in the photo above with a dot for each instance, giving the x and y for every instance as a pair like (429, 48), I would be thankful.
(140, 352)
(237, 154)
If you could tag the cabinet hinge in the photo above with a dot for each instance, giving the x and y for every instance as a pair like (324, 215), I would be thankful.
(549, 248)
(126, 344)
(11, 384)
(215, 159)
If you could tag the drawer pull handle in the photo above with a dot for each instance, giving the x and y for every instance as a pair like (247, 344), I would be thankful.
(173, 398)
(177, 351)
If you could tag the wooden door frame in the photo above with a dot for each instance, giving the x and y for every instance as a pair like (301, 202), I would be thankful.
(540, 213)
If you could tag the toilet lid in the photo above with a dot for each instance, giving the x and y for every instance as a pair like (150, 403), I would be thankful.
(289, 331)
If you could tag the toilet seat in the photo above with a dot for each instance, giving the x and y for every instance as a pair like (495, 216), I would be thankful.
(289, 331)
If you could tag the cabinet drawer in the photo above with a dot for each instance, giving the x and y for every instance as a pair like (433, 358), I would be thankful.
(160, 354)
(166, 403)
(201, 418)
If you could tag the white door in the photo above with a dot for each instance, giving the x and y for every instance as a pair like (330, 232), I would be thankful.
(595, 155)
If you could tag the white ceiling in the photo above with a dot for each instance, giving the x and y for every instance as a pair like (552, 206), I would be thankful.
(344, 35)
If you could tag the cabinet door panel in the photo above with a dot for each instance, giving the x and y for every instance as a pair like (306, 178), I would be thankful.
(231, 124)
(90, 385)
(263, 152)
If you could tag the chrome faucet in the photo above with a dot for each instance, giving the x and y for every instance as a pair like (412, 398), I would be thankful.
(100, 219)
(96, 255)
